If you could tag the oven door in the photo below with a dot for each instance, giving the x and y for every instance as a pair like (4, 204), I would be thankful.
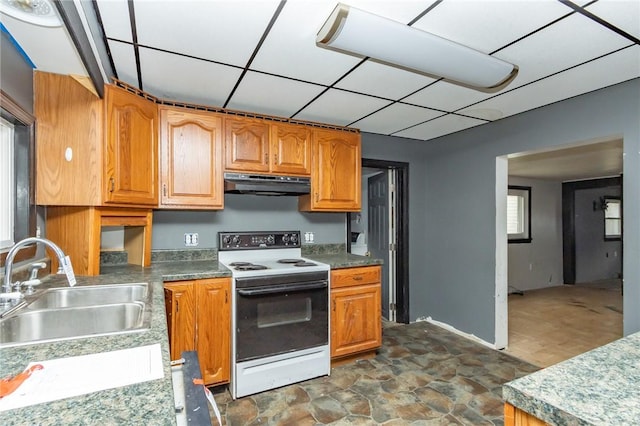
(281, 313)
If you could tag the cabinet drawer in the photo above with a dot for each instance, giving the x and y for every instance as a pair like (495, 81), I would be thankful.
(355, 276)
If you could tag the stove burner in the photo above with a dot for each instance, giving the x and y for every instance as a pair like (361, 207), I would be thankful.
(240, 263)
(303, 263)
(290, 260)
(249, 267)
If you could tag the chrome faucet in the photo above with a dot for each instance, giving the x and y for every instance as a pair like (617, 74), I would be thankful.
(62, 261)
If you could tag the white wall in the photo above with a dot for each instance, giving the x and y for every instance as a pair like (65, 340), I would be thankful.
(538, 264)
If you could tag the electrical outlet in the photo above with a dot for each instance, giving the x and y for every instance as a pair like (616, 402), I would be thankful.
(308, 237)
(191, 239)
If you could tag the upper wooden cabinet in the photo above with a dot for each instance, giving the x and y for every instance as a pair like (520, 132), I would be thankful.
(93, 152)
(246, 144)
(290, 149)
(131, 166)
(254, 145)
(335, 172)
(190, 159)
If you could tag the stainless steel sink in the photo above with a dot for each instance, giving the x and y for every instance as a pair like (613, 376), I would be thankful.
(68, 297)
(74, 312)
(30, 326)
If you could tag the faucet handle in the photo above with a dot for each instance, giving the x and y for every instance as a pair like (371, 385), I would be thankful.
(34, 268)
(30, 284)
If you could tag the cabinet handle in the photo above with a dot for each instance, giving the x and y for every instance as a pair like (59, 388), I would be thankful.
(112, 184)
(357, 278)
(334, 305)
(275, 158)
(177, 306)
(164, 189)
(316, 197)
(266, 157)
(226, 297)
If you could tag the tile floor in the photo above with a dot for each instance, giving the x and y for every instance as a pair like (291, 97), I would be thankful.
(422, 375)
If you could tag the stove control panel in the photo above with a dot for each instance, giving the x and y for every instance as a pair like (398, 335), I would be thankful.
(258, 240)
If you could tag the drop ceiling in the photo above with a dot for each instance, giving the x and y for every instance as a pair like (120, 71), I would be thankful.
(261, 57)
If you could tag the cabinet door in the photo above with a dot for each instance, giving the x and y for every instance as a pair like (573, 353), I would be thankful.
(213, 340)
(246, 144)
(179, 299)
(131, 149)
(190, 159)
(335, 173)
(290, 149)
(355, 319)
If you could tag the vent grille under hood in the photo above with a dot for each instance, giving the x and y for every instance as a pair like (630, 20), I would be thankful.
(244, 183)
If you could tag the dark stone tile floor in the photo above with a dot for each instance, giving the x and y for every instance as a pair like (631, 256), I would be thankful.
(422, 375)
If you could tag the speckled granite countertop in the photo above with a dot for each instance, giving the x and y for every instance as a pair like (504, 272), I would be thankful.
(599, 387)
(149, 403)
(344, 260)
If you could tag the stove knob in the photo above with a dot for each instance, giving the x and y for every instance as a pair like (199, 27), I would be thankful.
(285, 238)
(226, 239)
(236, 239)
(270, 239)
(294, 238)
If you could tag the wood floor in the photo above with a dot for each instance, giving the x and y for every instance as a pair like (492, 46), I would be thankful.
(550, 325)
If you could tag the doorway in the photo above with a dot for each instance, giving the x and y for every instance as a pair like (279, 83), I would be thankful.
(541, 265)
(381, 230)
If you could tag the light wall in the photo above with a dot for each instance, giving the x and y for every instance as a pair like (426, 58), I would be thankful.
(538, 264)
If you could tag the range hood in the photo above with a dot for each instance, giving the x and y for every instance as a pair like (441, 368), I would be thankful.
(245, 183)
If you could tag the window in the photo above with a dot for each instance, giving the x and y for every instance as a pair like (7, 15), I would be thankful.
(519, 214)
(17, 207)
(612, 218)
(6, 184)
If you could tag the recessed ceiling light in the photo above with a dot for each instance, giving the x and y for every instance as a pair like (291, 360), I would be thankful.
(38, 12)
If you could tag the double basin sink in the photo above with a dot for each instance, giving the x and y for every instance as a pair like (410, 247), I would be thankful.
(74, 312)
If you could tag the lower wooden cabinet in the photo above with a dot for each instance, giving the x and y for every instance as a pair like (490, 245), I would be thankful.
(516, 417)
(199, 318)
(356, 321)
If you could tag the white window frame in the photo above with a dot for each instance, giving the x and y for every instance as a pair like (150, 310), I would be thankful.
(612, 218)
(7, 184)
(522, 212)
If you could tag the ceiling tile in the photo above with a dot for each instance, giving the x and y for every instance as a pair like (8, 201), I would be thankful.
(267, 94)
(115, 19)
(489, 24)
(225, 31)
(569, 42)
(382, 80)
(447, 96)
(394, 118)
(39, 42)
(125, 62)
(449, 123)
(290, 48)
(185, 79)
(611, 69)
(340, 108)
(624, 14)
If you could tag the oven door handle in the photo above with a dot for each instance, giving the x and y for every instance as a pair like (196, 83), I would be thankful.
(257, 291)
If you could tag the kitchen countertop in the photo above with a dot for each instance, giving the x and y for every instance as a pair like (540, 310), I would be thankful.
(599, 387)
(142, 403)
(344, 260)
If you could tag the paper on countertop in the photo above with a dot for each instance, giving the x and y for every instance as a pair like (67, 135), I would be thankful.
(67, 377)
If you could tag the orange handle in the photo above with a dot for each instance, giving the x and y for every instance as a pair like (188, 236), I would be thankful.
(10, 384)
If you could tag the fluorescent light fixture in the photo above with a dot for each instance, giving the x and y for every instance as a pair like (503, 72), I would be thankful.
(38, 12)
(355, 31)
